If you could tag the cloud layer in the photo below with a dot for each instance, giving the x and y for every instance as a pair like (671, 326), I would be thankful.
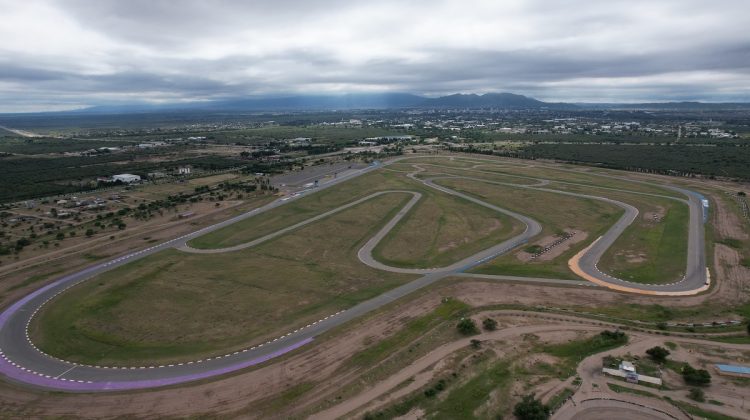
(69, 53)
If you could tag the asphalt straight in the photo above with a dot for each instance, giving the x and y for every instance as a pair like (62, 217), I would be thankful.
(21, 361)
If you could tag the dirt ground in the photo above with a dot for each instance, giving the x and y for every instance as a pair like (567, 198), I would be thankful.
(727, 223)
(556, 250)
(654, 216)
(734, 276)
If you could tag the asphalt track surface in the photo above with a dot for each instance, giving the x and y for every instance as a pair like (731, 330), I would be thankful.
(21, 361)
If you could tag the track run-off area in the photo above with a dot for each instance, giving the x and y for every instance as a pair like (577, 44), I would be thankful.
(22, 361)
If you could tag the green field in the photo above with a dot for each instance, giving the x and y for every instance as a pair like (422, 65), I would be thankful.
(664, 246)
(651, 250)
(176, 306)
(302, 209)
(555, 212)
(648, 251)
(442, 229)
(439, 230)
(532, 170)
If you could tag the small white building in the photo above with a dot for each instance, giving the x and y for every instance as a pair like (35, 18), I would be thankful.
(184, 170)
(126, 178)
(626, 366)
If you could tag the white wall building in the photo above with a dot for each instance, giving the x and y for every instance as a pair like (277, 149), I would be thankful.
(126, 178)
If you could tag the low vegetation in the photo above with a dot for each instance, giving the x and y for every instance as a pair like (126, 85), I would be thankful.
(203, 311)
(693, 376)
(584, 215)
(658, 353)
(448, 309)
(467, 326)
(530, 408)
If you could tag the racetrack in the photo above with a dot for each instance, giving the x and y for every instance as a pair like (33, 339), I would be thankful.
(21, 361)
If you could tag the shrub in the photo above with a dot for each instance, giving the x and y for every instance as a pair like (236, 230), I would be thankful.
(489, 324)
(697, 394)
(467, 326)
(694, 376)
(613, 335)
(531, 409)
(658, 353)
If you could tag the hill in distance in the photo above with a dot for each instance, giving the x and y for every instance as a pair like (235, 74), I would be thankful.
(352, 101)
(339, 102)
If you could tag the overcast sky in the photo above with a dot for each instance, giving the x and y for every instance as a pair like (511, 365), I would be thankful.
(67, 53)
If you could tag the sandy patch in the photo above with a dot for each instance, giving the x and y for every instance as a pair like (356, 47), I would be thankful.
(633, 257)
(729, 271)
(727, 223)
(655, 216)
(553, 246)
(414, 414)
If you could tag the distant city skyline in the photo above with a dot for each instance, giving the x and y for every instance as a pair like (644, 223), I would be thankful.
(57, 55)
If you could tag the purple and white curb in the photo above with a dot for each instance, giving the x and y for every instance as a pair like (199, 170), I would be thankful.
(19, 373)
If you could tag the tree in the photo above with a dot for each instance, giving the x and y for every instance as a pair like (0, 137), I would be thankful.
(89, 232)
(697, 394)
(694, 376)
(658, 353)
(530, 408)
(467, 326)
(489, 324)
(21, 243)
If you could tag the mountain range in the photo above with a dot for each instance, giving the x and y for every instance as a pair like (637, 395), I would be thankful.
(346, 101)
(393, 101)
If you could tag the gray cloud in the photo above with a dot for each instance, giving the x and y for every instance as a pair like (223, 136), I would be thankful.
(85, 52)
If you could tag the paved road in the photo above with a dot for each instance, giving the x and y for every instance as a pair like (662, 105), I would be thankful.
(21, 361)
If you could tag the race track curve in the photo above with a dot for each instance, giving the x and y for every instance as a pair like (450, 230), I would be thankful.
(21, 361)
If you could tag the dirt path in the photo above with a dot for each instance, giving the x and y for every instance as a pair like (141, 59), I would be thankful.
(594, 383)
(372, 394)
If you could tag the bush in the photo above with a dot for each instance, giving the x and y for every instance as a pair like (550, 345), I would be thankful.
(694, 376)
(531, 409)
(614, 335)
(697, 394)
(89, 232)
(21, 243)
(467, 326)
(658, 353)
(533, 249)
(435, 389)
(732, 243)
(489, 324)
